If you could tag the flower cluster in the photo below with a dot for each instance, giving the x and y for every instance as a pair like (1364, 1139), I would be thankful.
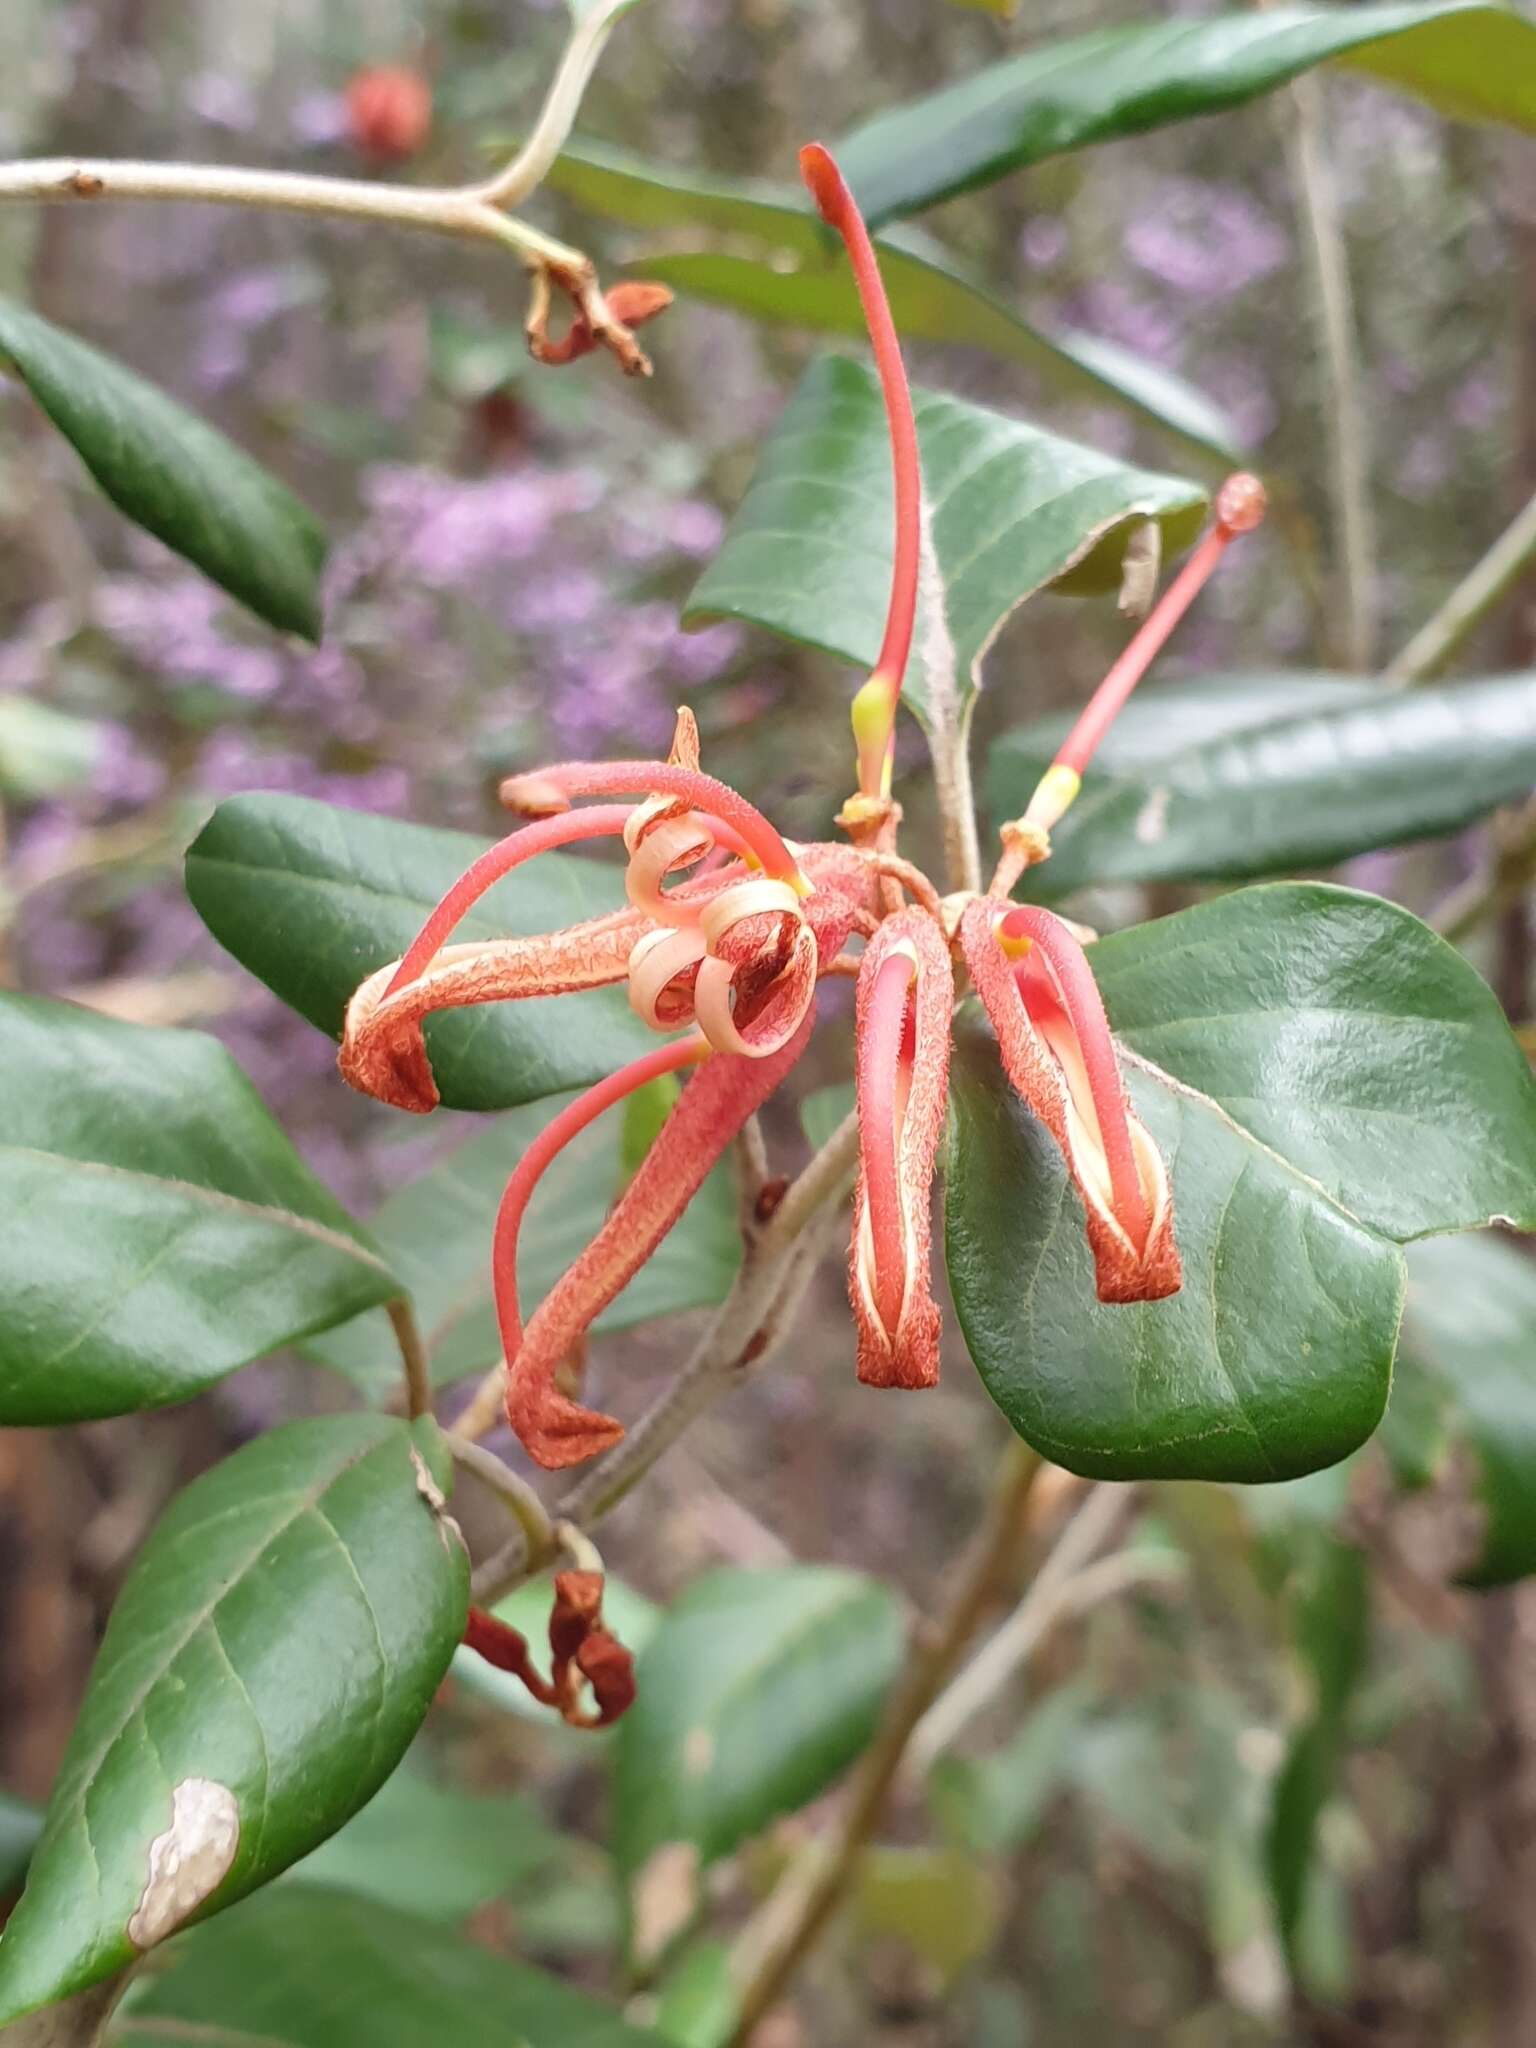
(728, 932)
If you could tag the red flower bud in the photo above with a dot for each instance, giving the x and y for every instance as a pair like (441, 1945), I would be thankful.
(389, 112)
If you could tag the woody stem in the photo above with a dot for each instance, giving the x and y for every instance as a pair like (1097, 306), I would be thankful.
(413, 1357)
(778, 1938)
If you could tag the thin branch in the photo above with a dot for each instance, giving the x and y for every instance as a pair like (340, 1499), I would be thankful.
(1501, 883)
(413, 1356)
(1334, 314)
(1095, 1524)
(529, 168)
(537, 1539)
(466, 212)
(460, 212)
(744, 1333)
(1427, 653)
(780, 1935)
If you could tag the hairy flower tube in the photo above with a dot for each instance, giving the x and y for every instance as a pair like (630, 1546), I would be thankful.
(726, 933)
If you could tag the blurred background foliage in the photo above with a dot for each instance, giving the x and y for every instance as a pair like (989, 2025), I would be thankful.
(1276, 1781)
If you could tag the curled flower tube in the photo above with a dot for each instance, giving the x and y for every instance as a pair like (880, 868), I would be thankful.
(1037, 988)
(874, 708)
(906, 993)
(554, 1429)
(731, 954)
(733, 944)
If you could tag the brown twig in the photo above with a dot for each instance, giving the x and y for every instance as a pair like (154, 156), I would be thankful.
(779, 1937)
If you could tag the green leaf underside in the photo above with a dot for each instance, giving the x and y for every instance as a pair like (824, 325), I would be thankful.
(172, 474)
(433, 1850)
(1473, 61)
(1324, 1078)
(756, 1691)
(436, 1234)
(801, 278)
(281, 1636)
(304, 1967)
(808, 552)
(1471, 1324)
(161, 1229)
(312, 899)
(628, 1614)
(1245, 775)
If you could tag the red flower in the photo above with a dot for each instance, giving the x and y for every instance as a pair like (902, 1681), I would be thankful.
(727, 933)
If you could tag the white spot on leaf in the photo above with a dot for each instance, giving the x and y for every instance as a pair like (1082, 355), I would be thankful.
(189, 1861)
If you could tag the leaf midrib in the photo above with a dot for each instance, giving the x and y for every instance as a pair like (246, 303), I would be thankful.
(214, 1198)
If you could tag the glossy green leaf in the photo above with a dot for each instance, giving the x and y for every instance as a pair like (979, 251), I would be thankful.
(757, 1690)
(628, 1614)
(1324, 1078)
(1474, 61)
(1471, 1325)
(303, 1967)
(1242, 775)
(799, 277)
(436, 1234)
(430, 1849)
(808, 553)
(44, 752)
(20, 1827)
(268, 1661)
(172, 474)
(161, 1230)
(312, 899)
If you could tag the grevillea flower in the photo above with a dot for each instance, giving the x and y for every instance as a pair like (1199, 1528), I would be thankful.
(728, 930)
(581, 1649)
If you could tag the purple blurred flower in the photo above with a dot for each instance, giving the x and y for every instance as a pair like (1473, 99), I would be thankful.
(1208, 240)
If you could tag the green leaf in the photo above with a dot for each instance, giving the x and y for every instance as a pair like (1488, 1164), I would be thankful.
(1253, 774)
(44, 752)
(1471, 60)
(1324, 1078)
(628, 1614)
(268, 1661)
(697, 2002)
(426, 1848)
(20, 1827)
(1471, 1325)
(799, 277)
(1332, 1629)
(302, 1967)
(938, 1902)
(161, 1229)
(436, 1234)
(808, 553)
(757, 1690)
(824, 1109)
(172, 474)
(312, 899)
